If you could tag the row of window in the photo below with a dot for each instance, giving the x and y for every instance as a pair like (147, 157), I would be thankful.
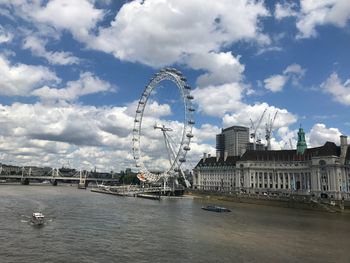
(269, 186)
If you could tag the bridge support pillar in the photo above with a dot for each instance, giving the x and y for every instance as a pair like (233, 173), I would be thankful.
(25, 181)
(54, 182)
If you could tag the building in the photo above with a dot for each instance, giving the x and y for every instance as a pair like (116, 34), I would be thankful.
(322, 172)
(215, 173)
(258, 146)
(232, 140)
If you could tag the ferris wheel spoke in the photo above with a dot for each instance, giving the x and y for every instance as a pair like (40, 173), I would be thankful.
(171, 147)
(168, 148)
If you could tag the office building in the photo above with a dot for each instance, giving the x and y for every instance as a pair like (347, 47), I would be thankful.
(232, 140)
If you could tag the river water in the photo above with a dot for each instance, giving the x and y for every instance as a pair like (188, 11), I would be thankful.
(84, 226)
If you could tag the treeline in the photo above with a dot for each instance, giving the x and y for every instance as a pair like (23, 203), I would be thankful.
(128, 177)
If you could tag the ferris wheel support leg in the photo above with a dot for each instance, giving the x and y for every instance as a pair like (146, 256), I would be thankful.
(187, 183)
(164, 185)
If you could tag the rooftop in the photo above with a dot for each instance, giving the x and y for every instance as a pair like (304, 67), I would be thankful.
(328, 149)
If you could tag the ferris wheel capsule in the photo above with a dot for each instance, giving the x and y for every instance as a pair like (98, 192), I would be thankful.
(191, 122)
(187, 148)
(189, 135)
(191, 109)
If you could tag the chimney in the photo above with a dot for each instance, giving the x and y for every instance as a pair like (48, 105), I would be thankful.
(225, 155)
(204, 157)
(343, 146)
(217, 156)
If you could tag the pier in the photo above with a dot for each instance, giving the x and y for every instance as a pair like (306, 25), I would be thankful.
(154, 192)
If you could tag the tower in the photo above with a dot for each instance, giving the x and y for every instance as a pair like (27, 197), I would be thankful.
(232, 140)
(301, 145)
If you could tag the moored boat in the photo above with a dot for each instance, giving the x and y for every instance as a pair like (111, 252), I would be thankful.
(215, 208)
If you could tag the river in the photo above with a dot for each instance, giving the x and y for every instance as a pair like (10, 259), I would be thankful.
(84, 226)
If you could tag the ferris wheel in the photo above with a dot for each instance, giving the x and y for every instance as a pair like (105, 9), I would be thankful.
(175, 150)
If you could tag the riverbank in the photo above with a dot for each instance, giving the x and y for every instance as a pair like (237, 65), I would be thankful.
(296, 203)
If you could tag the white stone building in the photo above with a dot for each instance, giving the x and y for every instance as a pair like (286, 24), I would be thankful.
(322, 172)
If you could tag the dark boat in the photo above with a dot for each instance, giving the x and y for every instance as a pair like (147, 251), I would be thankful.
(215, 208)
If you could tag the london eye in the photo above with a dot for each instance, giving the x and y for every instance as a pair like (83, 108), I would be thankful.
(174, 134)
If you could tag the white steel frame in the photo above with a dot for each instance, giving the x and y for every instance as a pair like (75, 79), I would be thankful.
(176, 153)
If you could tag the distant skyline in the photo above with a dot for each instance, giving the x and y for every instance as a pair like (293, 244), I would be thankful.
(71, 73)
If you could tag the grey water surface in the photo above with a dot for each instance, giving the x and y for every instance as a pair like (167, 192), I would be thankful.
(82, 226)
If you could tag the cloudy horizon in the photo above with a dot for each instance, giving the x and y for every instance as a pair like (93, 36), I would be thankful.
(71, 73)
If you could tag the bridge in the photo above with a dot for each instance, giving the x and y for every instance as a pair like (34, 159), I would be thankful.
(54, 176)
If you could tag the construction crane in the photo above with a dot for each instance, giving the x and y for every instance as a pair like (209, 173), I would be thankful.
(255, 128)
(269, 128)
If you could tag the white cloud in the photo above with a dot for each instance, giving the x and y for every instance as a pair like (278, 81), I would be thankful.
(264, 50)
(254, 112)
(275, 82)
(319, 134)
(206, 132)
(86, 136)
(246, 112)
(86, 84)
(59, 131)
(339, 91)
(222, 68)
(285, 10)
(223, 98)
(293, 72)
(294, 69)
(163, 29)
(5, 36)
(162, 26)
(288, 139)
(21, 79)
(79, 16)
(317, 13)
(37, 47)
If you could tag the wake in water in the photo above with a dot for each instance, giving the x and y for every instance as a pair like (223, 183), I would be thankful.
(28, 220)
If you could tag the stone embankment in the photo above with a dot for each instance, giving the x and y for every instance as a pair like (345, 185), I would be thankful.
(293, 201)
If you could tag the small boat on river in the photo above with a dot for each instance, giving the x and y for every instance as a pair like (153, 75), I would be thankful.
(38, 218)
(215, 208)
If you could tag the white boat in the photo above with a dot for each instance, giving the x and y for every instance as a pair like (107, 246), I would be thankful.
(38, 218)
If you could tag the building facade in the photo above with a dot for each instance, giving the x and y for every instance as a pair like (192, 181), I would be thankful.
(322, 172)
(232, 140)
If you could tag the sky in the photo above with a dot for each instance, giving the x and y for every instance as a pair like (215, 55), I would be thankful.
(72, 72)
